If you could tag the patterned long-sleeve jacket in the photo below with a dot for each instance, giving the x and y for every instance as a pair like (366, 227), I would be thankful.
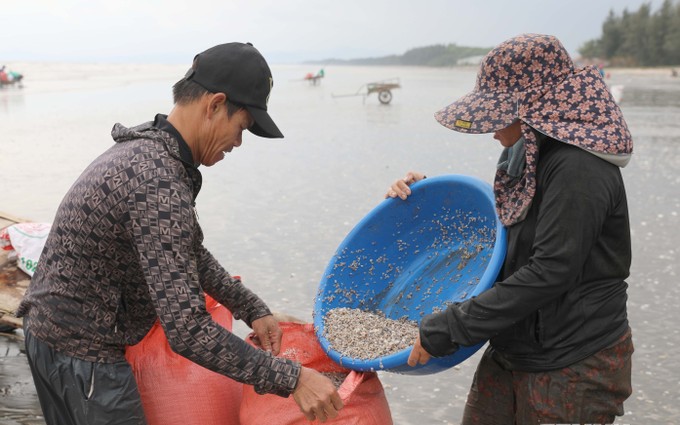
(126, 249)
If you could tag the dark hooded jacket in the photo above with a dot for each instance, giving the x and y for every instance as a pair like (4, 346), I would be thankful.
(126, 250)
(561, 296)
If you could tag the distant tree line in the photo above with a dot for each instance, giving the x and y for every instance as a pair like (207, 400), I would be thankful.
(639, 38)
(435, 55)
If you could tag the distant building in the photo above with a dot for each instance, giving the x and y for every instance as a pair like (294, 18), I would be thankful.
(470, 60)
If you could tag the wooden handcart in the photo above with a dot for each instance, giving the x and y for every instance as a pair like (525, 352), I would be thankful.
(382, 88)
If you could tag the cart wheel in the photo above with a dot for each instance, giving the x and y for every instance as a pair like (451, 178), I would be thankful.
(385, 97)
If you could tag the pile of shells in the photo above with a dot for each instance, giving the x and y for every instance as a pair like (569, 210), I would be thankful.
(337, 378)
(456, 239)
(365, 335)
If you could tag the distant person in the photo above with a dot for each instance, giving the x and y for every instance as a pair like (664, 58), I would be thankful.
(126, 250)
(560, 343)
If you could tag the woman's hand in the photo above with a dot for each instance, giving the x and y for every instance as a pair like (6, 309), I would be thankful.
(401, 188)
(418, 354)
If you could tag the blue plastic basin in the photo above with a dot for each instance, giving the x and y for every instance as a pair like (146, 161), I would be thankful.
(444, 244)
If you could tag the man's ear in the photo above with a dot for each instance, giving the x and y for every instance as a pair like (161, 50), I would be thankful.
(217, 100)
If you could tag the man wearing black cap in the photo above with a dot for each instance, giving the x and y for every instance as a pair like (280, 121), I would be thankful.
(126, 250)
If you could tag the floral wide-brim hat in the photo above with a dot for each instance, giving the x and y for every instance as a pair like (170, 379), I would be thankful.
(532, 77)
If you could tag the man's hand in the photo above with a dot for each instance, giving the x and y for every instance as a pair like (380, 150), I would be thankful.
(316, 395)
(418, 354)
(267, 334)
(401, 188)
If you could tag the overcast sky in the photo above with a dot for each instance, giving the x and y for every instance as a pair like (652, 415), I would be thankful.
(285, 31)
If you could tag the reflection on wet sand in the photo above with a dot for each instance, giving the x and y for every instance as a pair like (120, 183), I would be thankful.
(337, 160)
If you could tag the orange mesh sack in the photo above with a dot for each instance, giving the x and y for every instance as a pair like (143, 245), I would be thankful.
(176, 391)
(362, 393)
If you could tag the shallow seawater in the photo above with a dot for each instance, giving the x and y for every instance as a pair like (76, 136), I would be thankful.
(274, 211)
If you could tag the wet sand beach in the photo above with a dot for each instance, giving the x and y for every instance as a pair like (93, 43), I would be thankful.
(275, 211)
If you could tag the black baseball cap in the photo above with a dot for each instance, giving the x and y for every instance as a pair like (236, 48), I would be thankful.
(239, 71)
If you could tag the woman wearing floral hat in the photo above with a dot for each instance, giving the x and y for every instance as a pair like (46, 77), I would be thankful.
(560, 344)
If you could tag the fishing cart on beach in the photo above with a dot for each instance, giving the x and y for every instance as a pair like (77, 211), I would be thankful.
(382, 88)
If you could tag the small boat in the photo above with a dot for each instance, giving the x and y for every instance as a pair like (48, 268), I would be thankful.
(315, 79)
(10, 78)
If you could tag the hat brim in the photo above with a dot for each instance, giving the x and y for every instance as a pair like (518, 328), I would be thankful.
(479, 112)
(582, 112)
(264, 125)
